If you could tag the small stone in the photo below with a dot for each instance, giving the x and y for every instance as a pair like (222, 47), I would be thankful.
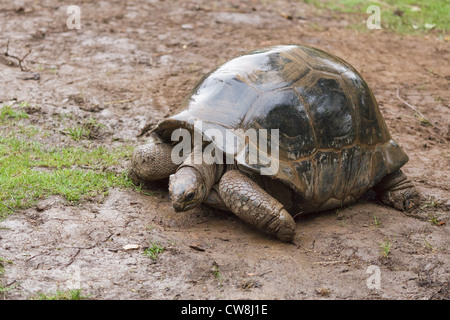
(324, 292)
(131, 246)
(44, 205)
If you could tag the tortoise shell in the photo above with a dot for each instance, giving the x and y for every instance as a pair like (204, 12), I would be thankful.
(333, 141)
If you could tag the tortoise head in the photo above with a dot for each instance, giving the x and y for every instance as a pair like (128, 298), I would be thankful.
(187, 189)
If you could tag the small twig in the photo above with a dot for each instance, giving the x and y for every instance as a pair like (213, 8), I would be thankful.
(334, 262)
(196, 248)
(89, 168)
(412, 107)
(120, 101)
(147, 127)
(259, 274)
(20, 60)
(297, 214)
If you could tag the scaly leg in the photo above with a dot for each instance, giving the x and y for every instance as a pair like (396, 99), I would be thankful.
(247, 200)
(151, 162)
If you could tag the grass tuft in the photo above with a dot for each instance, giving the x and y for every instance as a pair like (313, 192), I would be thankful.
(30, 171)
(154, 250)
(401, 16)
(7, 113)
(78, 133)
(61, 295)
(385, 248)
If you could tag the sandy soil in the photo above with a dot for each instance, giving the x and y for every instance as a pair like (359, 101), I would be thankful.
(129, 66)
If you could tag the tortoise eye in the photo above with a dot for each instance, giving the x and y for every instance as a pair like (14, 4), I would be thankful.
(189, 196)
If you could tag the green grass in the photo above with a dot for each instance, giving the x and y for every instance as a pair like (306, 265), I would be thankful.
(3, 261)
(216, 272)
(61, 295)
(434, 219)
(430, 204)
(427, 244)
(376, 221)
(30, 171)
(3, 289)
(385, 248)
(78, 133)
(8, 113)
(87, 130)
(154, 250)
(402, 16)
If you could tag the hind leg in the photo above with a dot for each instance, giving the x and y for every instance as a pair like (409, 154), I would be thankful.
(151, 162)
(397, 191)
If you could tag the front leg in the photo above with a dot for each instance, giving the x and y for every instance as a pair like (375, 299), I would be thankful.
(247, 200)
(151, 162)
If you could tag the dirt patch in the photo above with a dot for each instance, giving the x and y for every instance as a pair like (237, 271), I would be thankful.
(129, 66)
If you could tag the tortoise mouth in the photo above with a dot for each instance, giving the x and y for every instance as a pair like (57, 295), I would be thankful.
(184, 206)
(185, 189)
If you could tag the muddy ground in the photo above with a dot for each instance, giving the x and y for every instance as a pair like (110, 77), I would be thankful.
(130, 65)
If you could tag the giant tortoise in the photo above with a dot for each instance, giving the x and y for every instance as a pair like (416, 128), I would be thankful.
(332, 143)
